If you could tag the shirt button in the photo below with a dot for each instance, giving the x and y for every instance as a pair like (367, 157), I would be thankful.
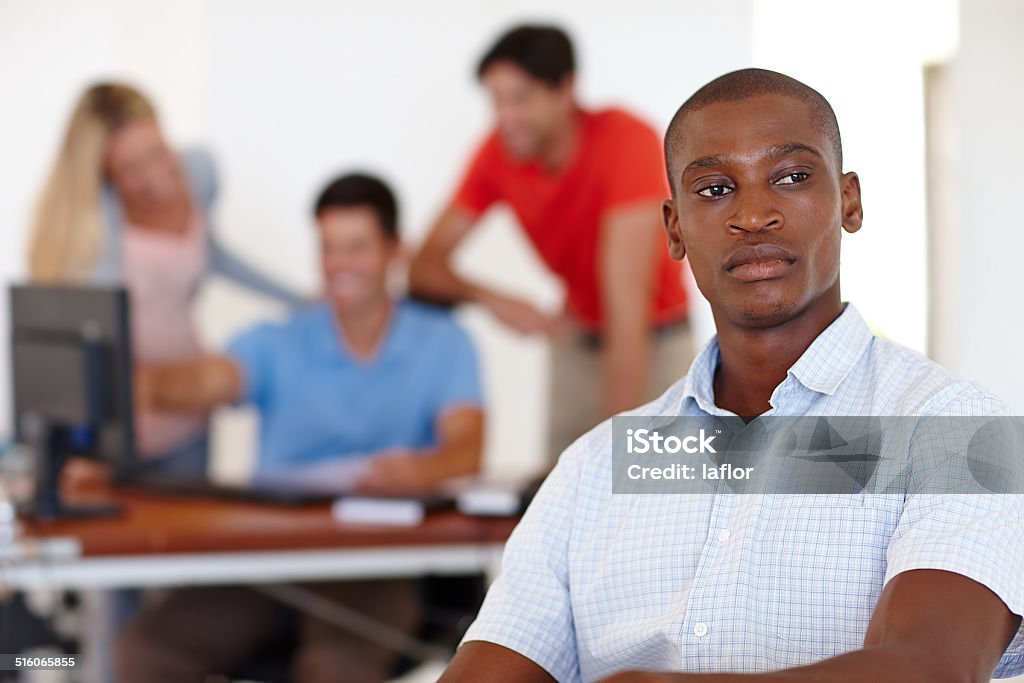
(724, 535)
(700, 630)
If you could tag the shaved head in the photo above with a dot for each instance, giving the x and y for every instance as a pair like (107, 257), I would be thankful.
(744, 84)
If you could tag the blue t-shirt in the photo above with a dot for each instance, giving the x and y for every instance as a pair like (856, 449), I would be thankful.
(318, 401)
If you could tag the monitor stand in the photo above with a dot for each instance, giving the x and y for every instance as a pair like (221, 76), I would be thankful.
(52, 448)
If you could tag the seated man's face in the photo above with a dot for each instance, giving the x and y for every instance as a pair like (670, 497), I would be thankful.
(355, 254)
(759, 207)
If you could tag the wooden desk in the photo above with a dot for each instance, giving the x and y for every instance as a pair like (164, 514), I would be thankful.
(162, 541)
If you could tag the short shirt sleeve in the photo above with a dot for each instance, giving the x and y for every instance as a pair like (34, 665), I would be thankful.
(458, 372)
(980, 536)
(527, 608)
(977, 535)
(638, 171)
(254, 351)
(479, 186)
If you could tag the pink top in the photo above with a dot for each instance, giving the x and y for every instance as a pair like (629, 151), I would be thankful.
(162, 272)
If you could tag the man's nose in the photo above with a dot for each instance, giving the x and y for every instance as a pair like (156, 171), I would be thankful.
(755, 210)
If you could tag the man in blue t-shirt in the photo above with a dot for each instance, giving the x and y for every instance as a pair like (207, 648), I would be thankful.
(390, 387)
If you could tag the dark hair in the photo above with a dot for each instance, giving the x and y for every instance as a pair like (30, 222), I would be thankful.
(360, 189)
(746, 83)
(544, 52)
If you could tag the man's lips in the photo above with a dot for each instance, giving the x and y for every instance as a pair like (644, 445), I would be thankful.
(761, 262)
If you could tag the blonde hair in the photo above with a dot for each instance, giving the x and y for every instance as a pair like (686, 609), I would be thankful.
(67, 232)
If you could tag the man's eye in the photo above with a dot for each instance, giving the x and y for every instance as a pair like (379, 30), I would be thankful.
(792, 178)
(715, 191)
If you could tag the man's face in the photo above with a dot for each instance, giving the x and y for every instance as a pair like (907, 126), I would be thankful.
(354, 255)
(759, 208)
(529, 112)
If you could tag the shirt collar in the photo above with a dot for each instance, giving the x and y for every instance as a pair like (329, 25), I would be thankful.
(832, 356)
(584, 118)
(700, 380)
(822, 368)
(396, 337)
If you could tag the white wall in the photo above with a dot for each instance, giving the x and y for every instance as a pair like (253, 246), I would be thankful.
(982, 317)
(867, 60)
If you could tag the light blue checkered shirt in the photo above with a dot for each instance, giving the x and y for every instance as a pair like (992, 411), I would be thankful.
(594, 583)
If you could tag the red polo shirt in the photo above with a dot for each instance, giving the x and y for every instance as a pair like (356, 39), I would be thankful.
(618, 161)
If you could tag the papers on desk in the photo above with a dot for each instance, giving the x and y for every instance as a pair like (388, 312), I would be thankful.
(496, 497)
(475, 496)
(392, 512)
(486, 496)
(490, 501)
(332, 476)
(387, 511)
(337, 477)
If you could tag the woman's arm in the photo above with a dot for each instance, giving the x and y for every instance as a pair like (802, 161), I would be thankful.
(224, 262)
(201, 172)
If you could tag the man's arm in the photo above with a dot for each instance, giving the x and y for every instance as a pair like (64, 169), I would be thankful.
(432, 278)
(528, 609)
(630, 236)
(196, 386)
(481, 662)
(460, 444)
(929, 626)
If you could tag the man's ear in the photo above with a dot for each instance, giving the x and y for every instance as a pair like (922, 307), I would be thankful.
(670, 218)
(853, 210)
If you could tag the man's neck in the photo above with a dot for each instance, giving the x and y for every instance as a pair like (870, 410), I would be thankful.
(755, 361)
(363, 328)
(559, 151)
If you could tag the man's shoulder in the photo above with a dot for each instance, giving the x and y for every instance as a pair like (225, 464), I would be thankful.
(490, 151)
(914, 384)
(427, 315)
(298, 323)
(429, 322)
(615, 123)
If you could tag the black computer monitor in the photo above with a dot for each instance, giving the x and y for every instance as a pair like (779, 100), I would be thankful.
(72, 382)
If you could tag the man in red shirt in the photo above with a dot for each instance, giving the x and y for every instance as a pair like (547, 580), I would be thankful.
(587, 187)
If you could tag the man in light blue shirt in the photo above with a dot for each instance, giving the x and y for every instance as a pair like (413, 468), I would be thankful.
(319, 401)
(597, 585)
(389, 385)
(393, 384)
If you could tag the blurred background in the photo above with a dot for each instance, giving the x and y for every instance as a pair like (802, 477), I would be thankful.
(286, 94)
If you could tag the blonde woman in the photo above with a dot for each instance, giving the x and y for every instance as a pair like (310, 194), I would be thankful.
(121, 206)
